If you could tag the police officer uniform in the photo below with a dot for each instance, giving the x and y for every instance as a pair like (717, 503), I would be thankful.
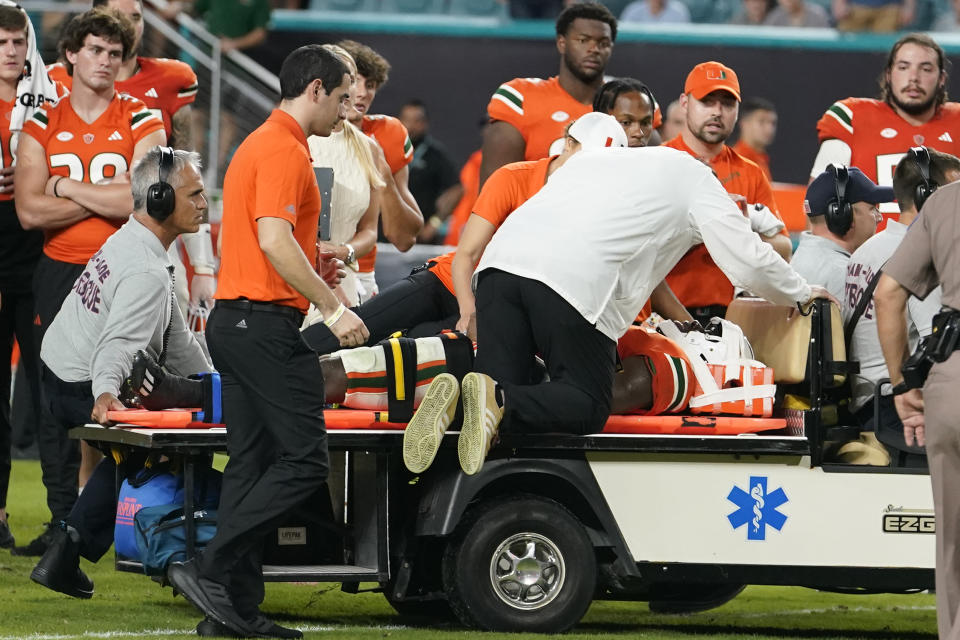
(928, 256)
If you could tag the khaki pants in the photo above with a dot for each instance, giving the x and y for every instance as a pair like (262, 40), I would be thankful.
(942, 408)
(877, 19)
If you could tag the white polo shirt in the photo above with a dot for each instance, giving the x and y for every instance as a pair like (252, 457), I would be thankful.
(610, 224)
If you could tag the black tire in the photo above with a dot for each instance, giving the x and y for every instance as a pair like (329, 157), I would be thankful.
(556, 554)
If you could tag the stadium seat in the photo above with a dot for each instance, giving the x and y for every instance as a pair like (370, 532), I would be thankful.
(490, 8)
(926, 13)
(412, 6)
(344, 5)
(616, 6)
(701, 10)
(723, 10)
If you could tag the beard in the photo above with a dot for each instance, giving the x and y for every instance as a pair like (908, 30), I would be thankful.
(585, 77)
(914, 108)
(710, 137)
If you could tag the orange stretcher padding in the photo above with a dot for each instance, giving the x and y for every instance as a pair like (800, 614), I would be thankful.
(692, 425)
(362, 419)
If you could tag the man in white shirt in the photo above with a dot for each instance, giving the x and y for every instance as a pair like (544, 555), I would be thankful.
(920, 172)
(567, 273)
(842, 206)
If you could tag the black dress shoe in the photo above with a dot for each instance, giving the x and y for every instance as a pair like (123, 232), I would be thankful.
(6, 538)
(211, 598)
(210, 628)
(37, 546)
(59, 568)
(266, 628)
(262, 626)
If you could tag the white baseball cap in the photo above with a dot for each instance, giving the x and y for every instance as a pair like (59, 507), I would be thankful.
(597, 130)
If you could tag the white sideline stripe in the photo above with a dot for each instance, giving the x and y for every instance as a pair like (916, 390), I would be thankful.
(798, 612)
(147, 633)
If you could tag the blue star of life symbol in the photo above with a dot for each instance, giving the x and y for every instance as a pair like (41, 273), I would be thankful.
(757, 509)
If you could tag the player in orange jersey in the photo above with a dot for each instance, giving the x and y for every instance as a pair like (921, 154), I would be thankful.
(400, 217)
(711, 100)
(72, 181)
(758, 127)
(19, 249)
(873, 135)
(168, 88)
(529, 115)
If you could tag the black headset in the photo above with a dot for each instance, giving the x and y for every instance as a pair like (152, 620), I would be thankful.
(921, 156)
(161, 198)
(839, 211)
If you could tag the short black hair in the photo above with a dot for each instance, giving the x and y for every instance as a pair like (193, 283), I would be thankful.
(306, 64)
(755, 103)
(416, 103)
(608, 93)
(587, 11)
(907, 176)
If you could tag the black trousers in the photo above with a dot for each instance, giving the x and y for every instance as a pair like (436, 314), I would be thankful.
(518, 318)
(59, 456)
(419, 305)
(94, 514)
(16, 320)
(276, 439)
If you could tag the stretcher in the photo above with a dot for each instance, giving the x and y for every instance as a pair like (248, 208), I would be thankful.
(362, 419)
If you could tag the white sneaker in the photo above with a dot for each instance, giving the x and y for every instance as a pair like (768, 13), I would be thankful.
(481, 420)
(424, 432)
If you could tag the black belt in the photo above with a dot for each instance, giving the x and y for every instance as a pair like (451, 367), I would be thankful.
(264, 307)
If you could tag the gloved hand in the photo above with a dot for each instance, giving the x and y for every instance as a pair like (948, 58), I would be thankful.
(764, 221)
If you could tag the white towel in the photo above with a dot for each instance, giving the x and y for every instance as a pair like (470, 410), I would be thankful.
(35, 86)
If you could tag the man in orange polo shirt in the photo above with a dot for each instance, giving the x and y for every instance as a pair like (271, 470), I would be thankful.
(711, 100)
(275, 430)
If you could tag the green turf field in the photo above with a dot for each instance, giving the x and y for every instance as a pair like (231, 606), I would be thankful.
(127, 605)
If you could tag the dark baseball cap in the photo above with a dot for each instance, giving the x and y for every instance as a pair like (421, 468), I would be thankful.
(823, 190)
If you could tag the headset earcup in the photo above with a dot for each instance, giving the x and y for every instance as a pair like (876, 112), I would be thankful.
(160, 201)
(922, 193)
(839, 218)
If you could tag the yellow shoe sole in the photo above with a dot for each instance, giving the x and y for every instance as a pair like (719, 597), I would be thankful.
(424, 433)
(473, 443)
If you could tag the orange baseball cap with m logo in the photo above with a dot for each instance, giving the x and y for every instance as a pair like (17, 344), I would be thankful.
(708, 77)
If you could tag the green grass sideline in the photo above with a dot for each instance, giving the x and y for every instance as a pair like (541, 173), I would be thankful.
(132, 606)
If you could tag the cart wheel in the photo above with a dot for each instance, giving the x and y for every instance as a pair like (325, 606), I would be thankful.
(520, 564)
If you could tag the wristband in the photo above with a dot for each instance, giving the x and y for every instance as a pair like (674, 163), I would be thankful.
(55, 185)
(900, 388)
(203, 271)
(332, 320)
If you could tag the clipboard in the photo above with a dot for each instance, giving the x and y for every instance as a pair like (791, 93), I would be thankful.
(324, 177)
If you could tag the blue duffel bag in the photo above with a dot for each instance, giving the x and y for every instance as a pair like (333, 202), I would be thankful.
(155, 486)
(161, 535)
